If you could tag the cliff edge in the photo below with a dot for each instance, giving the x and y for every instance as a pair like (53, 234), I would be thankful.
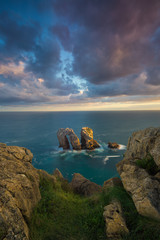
(19, 191)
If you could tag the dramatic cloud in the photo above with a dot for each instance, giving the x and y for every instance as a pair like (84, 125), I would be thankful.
(79, 51)
(113, 37)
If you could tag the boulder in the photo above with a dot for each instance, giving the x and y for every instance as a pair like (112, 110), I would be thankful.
(113, 145)
(115, 222)
(112, 182)
(19, 191)
(63, 140)
(57, 174)
(83, 186)
(87, 141)
(143, 187)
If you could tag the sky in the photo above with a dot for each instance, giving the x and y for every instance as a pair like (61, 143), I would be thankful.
(79, 55)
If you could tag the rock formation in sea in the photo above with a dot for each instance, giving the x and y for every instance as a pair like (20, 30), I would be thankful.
(63, 140)
(137, 173)
(113, 145)
(87, 141)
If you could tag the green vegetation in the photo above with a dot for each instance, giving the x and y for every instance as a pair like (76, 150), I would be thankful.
(62, 215)
(149, 164)
(2, 232)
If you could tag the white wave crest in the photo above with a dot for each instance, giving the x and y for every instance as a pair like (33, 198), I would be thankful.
(108, 157)
(122, 147)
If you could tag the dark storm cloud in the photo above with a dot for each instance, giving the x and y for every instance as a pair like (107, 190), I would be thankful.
(153, 76)
(113, 37)
(63, 34)
(45, 60)
(17, 36)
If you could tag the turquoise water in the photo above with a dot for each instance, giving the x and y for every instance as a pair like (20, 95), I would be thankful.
(37, 131)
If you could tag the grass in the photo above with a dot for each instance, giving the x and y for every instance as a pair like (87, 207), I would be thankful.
(149, 164)
(62, 215)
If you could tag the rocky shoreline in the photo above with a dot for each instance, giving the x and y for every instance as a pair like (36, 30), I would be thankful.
(20, 183)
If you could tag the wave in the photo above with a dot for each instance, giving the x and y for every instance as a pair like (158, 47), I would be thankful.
(122, 147)
(13, 141)
(108, 157)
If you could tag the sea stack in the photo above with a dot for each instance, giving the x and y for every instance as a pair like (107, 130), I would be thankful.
(68, 139)
(87, 141)
(67, 143)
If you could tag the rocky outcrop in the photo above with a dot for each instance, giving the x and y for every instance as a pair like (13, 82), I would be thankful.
(113, 145)
(115, 222)
(112, 182)
(19, 191)
(143, 142)
(87, 141)
(46, 176)
(63, 140)
(144, 188)
(83, 186)
(57, 174)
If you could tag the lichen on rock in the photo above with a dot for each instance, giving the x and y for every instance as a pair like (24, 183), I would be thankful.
(19, 190)
(115, 222)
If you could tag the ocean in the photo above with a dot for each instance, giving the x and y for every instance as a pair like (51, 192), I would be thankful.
(37, 132)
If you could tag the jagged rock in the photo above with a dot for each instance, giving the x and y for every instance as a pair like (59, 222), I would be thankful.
(83, 186)
(143, 142)
(87, 141)
(144, 188)
(63, 140)
(57, 174)
(115, 222)
(19, 190)
(113, 145)
(112, 182)
(44, 175)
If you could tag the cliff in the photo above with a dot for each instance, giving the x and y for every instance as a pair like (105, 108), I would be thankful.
(139, 171)
(35, 205)
(19, 191)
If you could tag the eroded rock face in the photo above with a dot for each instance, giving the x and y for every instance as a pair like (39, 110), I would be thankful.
(144, 188)
(143, 142)
(83, 186)
(19, 191)
(115, 222)
(87, 141)
(63, 140)
(112, 182)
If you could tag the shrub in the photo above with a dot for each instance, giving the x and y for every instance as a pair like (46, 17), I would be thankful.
(149, 164)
